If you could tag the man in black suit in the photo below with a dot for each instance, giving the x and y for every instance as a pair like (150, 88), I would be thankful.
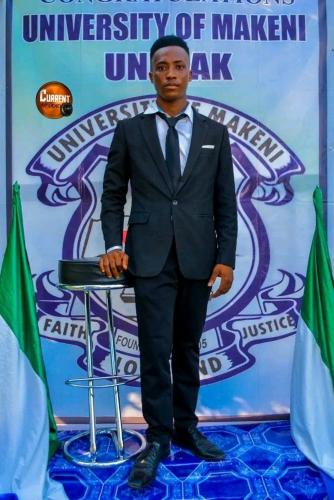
(181, 237)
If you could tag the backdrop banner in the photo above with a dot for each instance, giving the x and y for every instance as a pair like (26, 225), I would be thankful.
(259, 67)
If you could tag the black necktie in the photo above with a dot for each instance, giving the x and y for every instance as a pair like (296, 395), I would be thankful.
(172, 147)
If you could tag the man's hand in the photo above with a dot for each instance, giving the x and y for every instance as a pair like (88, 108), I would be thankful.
(225, 273)
(113, 263)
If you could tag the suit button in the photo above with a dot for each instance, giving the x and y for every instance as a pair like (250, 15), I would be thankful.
(175, 202)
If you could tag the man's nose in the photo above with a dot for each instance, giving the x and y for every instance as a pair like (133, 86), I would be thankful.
(170, 73)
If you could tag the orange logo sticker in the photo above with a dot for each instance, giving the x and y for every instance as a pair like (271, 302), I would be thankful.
(54, 100)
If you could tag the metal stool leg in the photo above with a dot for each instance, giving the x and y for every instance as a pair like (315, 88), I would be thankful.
(118, 417)
(89, 341)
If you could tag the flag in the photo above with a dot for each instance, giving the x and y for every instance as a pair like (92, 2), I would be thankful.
(312, 389)
(27, 426)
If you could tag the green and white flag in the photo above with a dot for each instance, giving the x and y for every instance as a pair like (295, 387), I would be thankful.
(27, 425)
(312, 389)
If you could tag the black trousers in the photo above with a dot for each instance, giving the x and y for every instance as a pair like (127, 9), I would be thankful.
(171, 312)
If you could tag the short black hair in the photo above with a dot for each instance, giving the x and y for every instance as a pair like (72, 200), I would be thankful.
(167, 41)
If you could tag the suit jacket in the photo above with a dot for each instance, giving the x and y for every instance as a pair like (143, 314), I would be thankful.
(200, 215)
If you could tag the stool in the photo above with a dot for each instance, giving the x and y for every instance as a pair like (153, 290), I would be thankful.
(84, 275)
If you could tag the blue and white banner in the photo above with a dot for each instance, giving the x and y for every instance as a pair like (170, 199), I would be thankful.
(259, 67)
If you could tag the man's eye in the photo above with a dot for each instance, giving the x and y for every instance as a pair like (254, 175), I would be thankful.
(180, 66)
(160, 68)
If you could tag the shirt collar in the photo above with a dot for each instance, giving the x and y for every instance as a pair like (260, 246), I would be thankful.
(153, 108)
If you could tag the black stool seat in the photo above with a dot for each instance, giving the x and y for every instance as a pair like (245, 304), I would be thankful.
(86, 273)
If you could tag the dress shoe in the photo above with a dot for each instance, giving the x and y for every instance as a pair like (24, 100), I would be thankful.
(145, 467)
(192, 439)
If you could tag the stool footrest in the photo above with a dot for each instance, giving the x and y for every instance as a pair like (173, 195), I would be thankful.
(82, 382)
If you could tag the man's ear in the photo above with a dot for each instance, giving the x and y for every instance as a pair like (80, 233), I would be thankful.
(150, 75)
(190, 75)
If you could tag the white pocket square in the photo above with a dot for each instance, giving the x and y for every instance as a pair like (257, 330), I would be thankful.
(208, 146)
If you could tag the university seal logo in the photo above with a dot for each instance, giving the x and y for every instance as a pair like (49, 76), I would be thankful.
(71, 167)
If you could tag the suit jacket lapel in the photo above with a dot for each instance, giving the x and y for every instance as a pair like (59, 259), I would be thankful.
(197, 139)
(150, 135)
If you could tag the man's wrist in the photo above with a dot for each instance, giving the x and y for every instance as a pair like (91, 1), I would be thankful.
(115, 247)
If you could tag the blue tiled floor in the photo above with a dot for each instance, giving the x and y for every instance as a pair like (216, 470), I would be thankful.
(261, 463)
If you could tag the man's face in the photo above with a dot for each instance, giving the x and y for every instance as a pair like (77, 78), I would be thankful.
(170, 73)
